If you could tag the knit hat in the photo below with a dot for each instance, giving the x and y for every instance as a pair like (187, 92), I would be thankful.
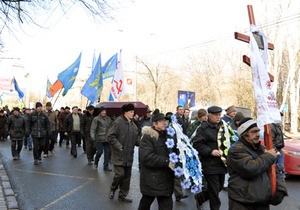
(238, 116)
(230, 109)
(102, 108)
(127, 108)
(202, 112)
(245, 125)
(49, 104)
(38, 104)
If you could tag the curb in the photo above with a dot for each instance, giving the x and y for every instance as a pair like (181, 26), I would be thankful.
(8, 198)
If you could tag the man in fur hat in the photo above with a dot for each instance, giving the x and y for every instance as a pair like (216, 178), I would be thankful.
(122, 136)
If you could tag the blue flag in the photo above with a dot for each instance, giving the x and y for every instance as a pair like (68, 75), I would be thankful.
(48, 94)
(93, 87)
(68, 76)
(110, 66)
(21, 94)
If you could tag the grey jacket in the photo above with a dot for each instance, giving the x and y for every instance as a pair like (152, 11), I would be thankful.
(99, 128)
(123, 137)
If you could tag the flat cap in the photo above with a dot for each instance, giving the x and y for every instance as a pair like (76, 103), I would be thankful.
(214, 109)
(157, 117)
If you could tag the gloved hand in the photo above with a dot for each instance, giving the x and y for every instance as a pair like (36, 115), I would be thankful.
(277, 198)
(171, 166)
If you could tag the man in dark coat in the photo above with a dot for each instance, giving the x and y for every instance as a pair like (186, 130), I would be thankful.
(156, 176)
(38, 125)
(206, 143)
(3, 120)
(249, 168)
(15, 125)
(85, 127)
(123, 137)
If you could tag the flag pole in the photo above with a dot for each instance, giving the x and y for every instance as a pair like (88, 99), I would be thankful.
(57, 97)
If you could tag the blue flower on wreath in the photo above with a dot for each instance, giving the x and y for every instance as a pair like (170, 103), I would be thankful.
(195, 189)
(170, 131)
(178, 171)
(170, 143)
(235, 138)
(186, 184)
(173, 157)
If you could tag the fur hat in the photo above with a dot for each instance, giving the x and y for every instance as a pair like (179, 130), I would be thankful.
(127, 108)
(230, 109)
(102, 108)
(246, 124)
(38, 104)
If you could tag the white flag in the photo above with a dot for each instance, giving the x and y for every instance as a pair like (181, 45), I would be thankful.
(118, 82)
(267, 107)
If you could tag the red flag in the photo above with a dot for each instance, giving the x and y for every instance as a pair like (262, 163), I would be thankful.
(56, 87)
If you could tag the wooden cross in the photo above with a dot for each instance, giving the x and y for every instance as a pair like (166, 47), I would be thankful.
(267, 128)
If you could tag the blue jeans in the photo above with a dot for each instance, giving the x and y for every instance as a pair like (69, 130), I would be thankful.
(28, 141)
(280, 161)
(100, 146)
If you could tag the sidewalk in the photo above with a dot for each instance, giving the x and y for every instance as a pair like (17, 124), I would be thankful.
(7, 196)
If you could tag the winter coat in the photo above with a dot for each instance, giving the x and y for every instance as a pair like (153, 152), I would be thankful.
(15, 125)
(99, 128)
(156, 178)
(205, 141)
(38, 125)
(3, 120)
(61, 119)
(68, 123)
(53, 120)
(85, 124)
(122, 136)
(249, 168)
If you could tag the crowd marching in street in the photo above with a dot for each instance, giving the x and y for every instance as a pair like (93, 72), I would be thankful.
(229, 155)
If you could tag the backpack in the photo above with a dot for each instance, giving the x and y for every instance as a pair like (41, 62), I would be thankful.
(277, 136)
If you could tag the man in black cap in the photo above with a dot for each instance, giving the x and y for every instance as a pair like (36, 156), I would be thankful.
(61, 120)
(122, 136)
(15, 125)
(206, 143)
(52, 138)
(27, 139)
(38, 125)
(156, 175)
(99, 129)
(85, 127)
(146, 120)
(249, 168)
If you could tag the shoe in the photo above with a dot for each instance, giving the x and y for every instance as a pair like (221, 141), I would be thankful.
(181, 197)
(95, 165)
(45, 155)
(90, 162)
(107, 169)
(75, 156)
(225, 188)
(125, 199)
(111, 194)
(25, 147)
(60, 145)
(79, 145)
(15, 158)
(52, 152)
(30, 148)
(36, 162)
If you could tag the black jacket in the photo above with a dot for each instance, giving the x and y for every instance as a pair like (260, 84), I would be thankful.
(68, 123)
(85, 124)
(156, 178)
(205, 141)
(38, 125)
(15, 125)
(249, 166)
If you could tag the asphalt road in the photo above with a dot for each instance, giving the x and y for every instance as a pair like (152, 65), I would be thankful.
(64, 182)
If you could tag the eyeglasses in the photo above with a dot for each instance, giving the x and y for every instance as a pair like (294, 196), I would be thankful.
(255, 131)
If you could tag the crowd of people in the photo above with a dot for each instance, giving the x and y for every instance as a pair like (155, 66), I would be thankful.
(228, 147)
